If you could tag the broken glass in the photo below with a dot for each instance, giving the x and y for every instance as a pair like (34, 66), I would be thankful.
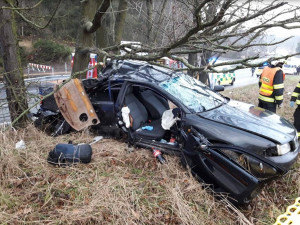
(192, 93)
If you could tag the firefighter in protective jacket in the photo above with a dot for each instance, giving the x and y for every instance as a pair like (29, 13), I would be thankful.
(271, 87)
(296, 98)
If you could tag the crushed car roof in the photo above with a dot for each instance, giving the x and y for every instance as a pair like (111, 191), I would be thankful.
(136, 70)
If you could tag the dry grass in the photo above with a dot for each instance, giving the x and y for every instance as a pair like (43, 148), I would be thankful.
(249, 94)
(274, 198)
(117, 187)
(120, 187)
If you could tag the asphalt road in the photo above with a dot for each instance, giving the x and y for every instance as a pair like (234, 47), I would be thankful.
(243, 78)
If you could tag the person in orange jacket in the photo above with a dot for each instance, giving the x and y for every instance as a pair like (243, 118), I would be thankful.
(271, 87)
(296, 99)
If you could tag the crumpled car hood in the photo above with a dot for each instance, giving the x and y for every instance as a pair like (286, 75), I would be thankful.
(253, 119)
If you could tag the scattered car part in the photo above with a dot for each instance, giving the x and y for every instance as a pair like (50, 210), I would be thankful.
(75, 106)
(20, 145)
(67, 154)
(158, 155)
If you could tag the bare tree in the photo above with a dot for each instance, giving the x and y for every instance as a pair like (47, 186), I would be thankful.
(180, 28)
(14, 77)
(215, 27)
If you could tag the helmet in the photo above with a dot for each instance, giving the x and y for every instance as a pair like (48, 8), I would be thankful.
(279, 63)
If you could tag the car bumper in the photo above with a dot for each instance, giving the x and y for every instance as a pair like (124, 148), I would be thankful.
(287, 160)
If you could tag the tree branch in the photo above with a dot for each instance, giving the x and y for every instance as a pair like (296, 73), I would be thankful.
(32, 23)
(91, 27)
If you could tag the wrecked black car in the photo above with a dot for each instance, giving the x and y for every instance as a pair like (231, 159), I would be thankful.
(233, 146)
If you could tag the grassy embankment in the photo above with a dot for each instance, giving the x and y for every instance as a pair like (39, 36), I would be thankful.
(122, 187)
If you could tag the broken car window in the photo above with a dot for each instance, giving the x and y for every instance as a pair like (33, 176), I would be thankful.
(192, 93)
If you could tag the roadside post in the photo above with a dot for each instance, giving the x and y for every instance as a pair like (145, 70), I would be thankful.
(93, 62)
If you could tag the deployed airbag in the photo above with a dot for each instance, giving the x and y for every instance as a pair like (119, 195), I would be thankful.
(169, 118)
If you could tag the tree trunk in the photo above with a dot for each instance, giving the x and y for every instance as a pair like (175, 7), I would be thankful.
(103, 36)
(192, 59)
(203, 77)
(90, 22)
(206, 55)
(84, 38)
(120, 21)
(160, 21)
(149, 19)
(13, 77)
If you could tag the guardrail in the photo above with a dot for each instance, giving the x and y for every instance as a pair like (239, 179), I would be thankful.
(32, 85)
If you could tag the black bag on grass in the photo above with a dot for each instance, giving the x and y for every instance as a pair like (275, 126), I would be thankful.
(66, 154)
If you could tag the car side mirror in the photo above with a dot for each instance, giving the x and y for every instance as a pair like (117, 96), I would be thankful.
(218, 88)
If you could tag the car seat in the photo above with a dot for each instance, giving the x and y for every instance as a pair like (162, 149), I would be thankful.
(139, 115)
(155, 104)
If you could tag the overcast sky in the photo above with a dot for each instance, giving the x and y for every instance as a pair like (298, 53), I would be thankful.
(284, 32)
(275, 34)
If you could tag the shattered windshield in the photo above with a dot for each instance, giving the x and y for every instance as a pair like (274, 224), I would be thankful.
(192, 93)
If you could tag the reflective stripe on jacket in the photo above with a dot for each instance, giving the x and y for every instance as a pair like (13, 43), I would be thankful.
(267, 78)
(271, 85)
(296, 94)
(266, 99)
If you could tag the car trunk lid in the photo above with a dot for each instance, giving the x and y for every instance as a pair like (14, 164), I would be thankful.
(75, 106)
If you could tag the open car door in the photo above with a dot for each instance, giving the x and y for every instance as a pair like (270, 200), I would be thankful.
(75, 105)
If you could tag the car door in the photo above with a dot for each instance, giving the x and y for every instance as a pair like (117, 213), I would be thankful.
(214, 168)
(75, 105)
